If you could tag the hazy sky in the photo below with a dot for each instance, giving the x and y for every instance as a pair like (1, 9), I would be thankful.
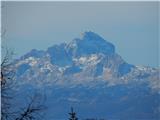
(131, 26)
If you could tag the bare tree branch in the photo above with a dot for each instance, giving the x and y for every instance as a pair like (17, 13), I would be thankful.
(7, 76)
(34, 109)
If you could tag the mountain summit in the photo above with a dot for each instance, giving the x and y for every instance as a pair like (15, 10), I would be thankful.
(87, 72)
(83, 54)
(90, 43)
(89, 57)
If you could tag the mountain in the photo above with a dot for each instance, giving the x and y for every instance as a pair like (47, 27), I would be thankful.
(88, 74)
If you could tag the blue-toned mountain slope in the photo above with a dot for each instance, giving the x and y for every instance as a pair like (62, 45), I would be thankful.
(89, 75)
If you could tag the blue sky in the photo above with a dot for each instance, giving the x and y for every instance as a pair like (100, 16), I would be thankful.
(131, 26)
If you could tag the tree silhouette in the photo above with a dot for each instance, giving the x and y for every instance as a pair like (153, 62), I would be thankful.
(7, 84)
(72, 115)
(31, 111)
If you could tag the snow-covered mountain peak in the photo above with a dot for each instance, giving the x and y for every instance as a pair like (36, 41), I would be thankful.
(83, 59)
(88, 71)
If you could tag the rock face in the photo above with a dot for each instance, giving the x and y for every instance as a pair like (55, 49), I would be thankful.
(88, 73)
(90, 43)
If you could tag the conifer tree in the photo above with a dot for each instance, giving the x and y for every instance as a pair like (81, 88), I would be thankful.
(72, 115)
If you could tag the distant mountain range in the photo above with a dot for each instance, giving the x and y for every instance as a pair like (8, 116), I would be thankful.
(89, 75)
